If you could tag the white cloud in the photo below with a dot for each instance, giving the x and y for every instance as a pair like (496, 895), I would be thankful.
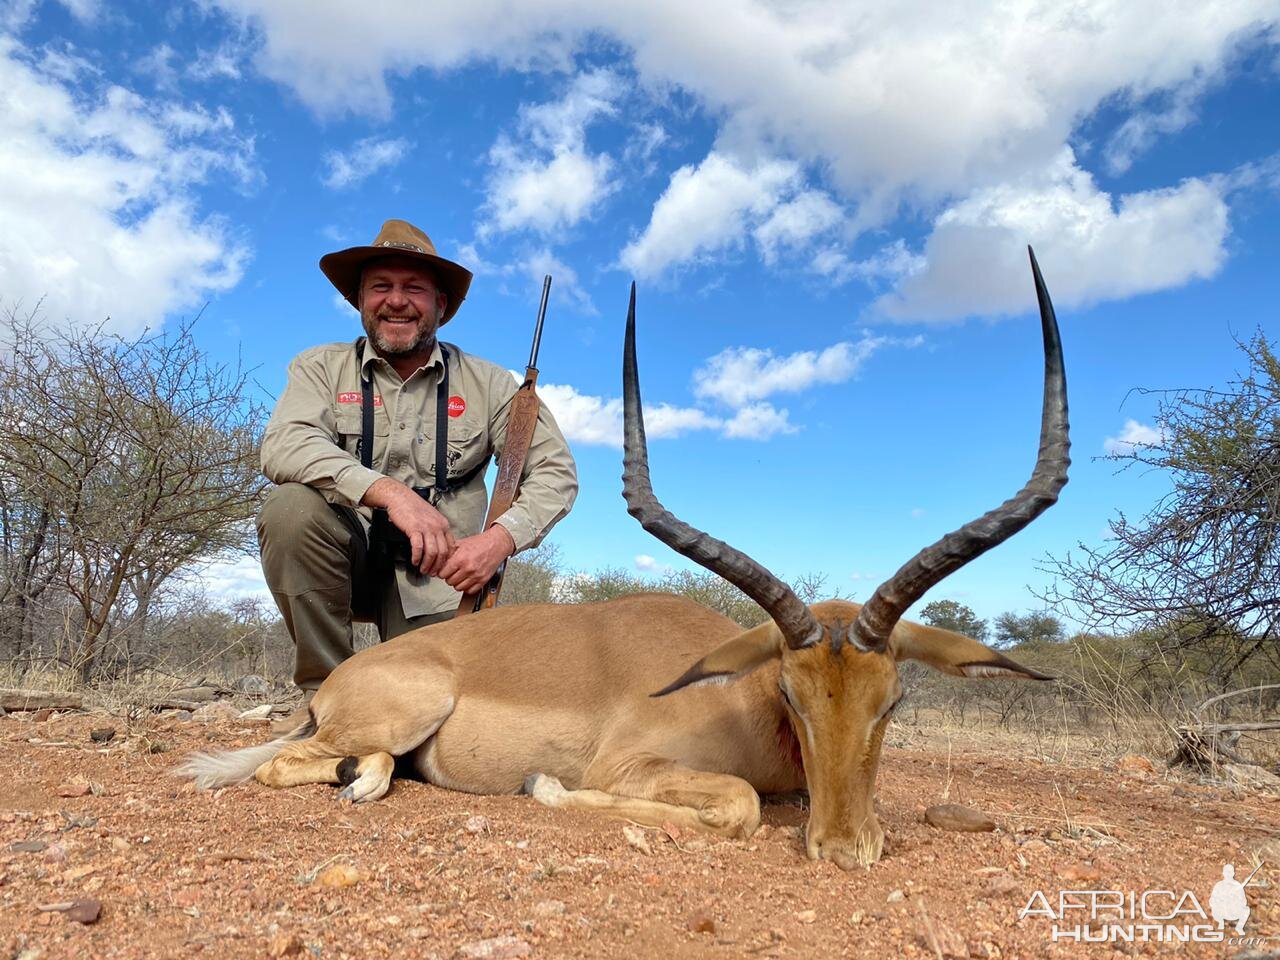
(15, 14)
(649, 564)
(584, 418)
(1090, 246)
(99, 218)
(890, 96)
(547, 180)
(891, 262)
(758, 421)
(365, 158)
(906, 105)
(1133, 437)
(565, 286)
(233, 578)
(739, 375)
(598, 420)
(793, 225)
(1140, 131)
(708, 209)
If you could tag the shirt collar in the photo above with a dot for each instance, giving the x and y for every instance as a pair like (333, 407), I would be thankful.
(369, 358)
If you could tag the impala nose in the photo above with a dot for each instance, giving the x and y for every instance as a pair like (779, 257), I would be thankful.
(860, 849)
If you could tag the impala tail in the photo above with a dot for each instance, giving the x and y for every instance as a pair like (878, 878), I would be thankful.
(226, 768)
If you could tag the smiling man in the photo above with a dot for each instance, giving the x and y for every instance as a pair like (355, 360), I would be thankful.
(379, 449)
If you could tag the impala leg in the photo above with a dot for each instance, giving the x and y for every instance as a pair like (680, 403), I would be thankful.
(357, 739)
(655, 792)
(364, 778)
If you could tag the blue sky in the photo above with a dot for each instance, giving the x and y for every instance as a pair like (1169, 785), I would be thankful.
(825, 205)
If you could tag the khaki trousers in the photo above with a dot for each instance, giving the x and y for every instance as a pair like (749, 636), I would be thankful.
(315, 560)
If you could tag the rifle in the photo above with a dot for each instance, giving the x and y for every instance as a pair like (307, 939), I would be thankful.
(521, 420)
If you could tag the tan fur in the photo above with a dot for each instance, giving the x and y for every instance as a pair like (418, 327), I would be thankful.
(557, 700)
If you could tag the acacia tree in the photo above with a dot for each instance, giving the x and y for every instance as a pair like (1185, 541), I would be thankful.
(953, 615)
(138, 456)
(1201, 567)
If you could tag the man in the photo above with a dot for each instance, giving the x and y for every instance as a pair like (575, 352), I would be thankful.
(324, 564)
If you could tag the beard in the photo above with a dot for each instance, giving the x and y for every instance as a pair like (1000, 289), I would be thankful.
(397, 341)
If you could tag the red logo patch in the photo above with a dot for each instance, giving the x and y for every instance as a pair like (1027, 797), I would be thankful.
(355, 398)
(457, 406)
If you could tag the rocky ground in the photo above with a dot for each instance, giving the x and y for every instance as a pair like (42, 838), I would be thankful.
(103, 853)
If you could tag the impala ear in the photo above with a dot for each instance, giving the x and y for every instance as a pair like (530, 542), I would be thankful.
(733, 659)
(954, 653)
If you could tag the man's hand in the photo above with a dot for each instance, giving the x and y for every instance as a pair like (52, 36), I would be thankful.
(428, 531)
(476, 558)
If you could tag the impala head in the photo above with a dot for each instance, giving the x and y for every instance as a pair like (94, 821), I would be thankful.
(838, 674)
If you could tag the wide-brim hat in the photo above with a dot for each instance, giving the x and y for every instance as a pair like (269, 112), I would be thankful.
(397, 238)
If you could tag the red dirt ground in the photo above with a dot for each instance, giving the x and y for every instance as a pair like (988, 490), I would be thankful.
(242, 872)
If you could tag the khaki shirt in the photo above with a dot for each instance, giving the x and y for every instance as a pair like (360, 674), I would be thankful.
(314, 432)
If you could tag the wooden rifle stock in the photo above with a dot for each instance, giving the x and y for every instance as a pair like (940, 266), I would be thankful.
(522, 419)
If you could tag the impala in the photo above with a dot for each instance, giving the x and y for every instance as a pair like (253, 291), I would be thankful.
(577, 705)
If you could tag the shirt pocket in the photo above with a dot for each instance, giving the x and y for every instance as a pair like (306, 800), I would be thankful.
(468, 446)
(350, 425)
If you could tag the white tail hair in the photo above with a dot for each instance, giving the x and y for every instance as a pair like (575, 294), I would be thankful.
(228, 767)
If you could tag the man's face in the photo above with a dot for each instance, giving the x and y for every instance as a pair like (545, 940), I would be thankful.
(400, 307)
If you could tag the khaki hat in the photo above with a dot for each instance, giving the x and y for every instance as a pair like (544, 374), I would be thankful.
(400, 239)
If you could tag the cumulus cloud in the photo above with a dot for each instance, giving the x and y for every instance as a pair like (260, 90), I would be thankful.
(899, 106)
(1090, 245)
(565, 286)
(707, 209)
(104, 223)
(739, 375)
(758, 421)
(598, 420)
(346, 168)
(1133, 437)
(545, 179)
(649, 564)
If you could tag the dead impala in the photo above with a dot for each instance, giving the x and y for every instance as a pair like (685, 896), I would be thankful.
(560, 700)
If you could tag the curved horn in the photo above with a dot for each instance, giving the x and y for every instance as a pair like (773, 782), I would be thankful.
(878, 616)
(793, 618)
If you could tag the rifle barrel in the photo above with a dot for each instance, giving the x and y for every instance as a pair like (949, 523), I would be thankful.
(542, 315)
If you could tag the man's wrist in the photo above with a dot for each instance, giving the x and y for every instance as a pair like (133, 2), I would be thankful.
(501, 536)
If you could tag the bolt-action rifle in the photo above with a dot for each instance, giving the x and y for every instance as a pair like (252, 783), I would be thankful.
(522, 419)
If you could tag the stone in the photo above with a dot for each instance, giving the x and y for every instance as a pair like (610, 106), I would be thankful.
(218, 710)
(102, 734)
(548, 908)
(476, 824)
(254, 685)
(498, 948)
(84, 910)
(895, 896)
(952, 816)
(636, 837)
(28, 846)
(1077, 872)
(74, 788)
(1135, 763)
(701, 923)
(339, 875)
(807, 916)
(284, 945)
(257, 713)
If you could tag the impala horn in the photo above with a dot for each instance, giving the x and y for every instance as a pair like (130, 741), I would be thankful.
(793, 618)
(878, 616)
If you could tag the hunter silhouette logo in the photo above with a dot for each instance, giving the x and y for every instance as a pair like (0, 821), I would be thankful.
(1158, 915)
(1227, 903)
